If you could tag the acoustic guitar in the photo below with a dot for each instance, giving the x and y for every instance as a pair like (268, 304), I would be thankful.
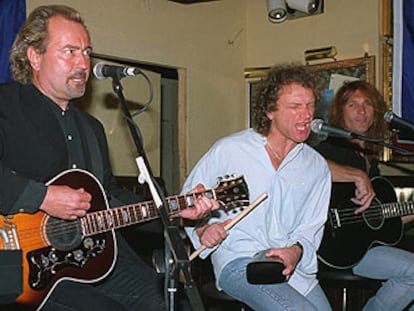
(85, 250)
(347, 236)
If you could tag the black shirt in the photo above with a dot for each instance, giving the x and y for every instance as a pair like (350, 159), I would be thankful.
(70, 129)
(341, 151)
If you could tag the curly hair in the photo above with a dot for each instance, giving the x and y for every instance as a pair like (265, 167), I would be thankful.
(34, 33)
(335, 110)
(268, 91)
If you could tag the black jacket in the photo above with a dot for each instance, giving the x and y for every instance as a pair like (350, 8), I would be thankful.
(33, 146)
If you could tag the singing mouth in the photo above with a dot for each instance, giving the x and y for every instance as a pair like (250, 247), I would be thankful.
(78, 78)
(303, 126)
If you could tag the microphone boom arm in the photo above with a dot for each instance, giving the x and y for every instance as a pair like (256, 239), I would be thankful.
(318, 126)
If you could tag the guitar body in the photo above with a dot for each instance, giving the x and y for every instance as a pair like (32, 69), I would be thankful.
(343, 246)
(55, 250)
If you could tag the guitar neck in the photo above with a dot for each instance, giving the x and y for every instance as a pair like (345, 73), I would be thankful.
(124, 216)
(396, 209)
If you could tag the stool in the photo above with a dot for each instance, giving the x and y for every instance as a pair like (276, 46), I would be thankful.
(214, 298)
(346, 281)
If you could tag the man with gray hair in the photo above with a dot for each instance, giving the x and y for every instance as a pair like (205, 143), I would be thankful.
(43, 133)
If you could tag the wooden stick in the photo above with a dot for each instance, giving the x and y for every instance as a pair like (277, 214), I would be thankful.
(234, 221)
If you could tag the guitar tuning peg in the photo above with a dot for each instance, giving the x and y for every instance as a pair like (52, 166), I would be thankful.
(220, 178)
(227, 176)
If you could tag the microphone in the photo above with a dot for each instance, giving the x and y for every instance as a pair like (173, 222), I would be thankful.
(397, 122)
(318, 127)
(103, 71)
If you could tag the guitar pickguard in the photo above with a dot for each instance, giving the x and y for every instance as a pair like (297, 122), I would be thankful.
(45, 263)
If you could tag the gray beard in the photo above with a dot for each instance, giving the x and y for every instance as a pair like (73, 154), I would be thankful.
(75, 92)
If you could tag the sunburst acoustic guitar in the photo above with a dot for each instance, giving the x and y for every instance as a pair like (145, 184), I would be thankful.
(85, 250)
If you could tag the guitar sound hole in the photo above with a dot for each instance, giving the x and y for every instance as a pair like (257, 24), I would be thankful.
(374, 217)
(62, 234)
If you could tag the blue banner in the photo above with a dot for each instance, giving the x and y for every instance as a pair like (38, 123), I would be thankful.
(12, 17)
(403, 59)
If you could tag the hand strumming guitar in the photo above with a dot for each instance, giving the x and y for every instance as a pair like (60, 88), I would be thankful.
(66, 203)
(364, 192)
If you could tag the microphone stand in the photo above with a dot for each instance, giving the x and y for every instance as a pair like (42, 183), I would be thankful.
(179, 261)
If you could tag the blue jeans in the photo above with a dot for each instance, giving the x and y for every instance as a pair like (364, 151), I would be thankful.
(272, 297)
(394, 265)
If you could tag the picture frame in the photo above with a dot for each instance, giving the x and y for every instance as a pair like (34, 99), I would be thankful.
(362, 68)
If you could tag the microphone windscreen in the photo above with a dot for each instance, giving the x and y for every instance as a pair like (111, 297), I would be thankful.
(97, 71)
(316, 125)
(388, 116)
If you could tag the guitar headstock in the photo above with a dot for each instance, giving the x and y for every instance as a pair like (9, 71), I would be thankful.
(232, 192)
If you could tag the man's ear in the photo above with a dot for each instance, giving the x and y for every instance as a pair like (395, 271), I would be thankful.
(269, 115)
(34, 58)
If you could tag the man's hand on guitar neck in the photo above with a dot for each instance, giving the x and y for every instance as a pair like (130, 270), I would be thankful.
(66, 203)
(202, 205)
(364, 191)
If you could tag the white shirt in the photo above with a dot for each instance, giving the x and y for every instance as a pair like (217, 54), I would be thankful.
(295, 210)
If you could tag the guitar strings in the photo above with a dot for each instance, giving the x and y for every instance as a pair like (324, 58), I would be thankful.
(349, 216)
(375, 212)
(88, 224)
(96, 222)
(116, 221)
(42, 230)
(116, 214)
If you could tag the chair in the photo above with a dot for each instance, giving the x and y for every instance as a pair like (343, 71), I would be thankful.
(345, 290)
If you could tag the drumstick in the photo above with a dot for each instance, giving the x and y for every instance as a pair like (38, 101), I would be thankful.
(234, 221)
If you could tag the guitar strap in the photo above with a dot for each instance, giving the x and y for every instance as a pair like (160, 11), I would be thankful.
(95, 155)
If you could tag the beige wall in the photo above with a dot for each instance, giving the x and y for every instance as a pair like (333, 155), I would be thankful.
(214, 41)
(194, 37)
(350, 25)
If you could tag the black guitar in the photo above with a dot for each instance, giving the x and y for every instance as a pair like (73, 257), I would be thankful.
(347, 236)
(85, 250)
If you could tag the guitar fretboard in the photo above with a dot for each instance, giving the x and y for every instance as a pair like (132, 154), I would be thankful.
(396, 209)
(123, 216)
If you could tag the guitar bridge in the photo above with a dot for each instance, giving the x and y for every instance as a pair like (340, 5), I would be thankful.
(8, 235)
(334, 218)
